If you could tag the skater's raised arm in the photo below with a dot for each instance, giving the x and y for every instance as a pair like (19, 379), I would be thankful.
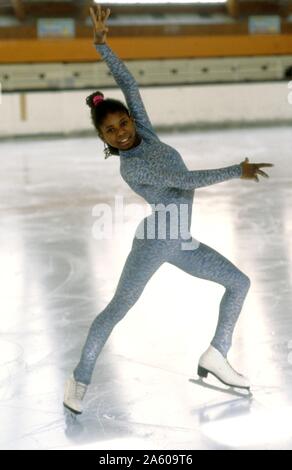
(143, 173)
(120, 72)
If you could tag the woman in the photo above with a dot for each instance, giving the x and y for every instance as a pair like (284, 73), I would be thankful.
(157, 172)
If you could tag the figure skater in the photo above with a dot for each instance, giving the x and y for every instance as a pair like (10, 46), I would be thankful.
(157, 172)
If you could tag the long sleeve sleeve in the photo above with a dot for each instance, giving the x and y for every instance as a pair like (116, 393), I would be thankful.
(127, 83)
(141, 173)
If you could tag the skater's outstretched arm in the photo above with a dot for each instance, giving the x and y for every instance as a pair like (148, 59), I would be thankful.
(141, 172)
(120, 72)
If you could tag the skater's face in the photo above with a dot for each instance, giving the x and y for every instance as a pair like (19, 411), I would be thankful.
(119, 130)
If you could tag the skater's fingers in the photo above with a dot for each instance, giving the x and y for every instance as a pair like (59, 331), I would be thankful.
(264, 164)
(94, 18)
(260, 172)
(98, 13)
(107, 14)
(92, 14)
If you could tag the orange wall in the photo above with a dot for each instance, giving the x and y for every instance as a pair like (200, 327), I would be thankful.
(82, 50)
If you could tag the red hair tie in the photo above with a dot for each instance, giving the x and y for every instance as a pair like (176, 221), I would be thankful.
(97, 99)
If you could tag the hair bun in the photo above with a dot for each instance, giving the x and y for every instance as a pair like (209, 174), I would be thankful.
(90, 98)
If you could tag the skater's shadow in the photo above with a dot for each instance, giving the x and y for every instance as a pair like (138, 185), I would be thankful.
(96, 424)
(239, 406)
(73, 427)
(220, 422)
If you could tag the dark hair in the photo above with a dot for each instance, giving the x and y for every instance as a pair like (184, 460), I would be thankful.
(99, 113)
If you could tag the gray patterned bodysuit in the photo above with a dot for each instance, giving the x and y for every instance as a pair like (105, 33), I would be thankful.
(157, 172)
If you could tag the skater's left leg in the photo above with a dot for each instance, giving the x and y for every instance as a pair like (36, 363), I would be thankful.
(206, 263)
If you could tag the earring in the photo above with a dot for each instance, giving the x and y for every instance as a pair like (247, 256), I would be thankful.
(106, 151)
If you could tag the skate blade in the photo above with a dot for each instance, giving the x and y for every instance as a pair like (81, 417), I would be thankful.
(75, 412)
(244, 393)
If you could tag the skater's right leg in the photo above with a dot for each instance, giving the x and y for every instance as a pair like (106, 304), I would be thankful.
(142, 262)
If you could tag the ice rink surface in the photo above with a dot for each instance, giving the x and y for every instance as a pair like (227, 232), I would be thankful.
(57, 274)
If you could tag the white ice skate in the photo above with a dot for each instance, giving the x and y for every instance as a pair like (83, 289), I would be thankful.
(214, 363)
(74, 394)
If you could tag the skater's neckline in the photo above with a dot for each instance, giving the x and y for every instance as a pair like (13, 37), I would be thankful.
(131, 150)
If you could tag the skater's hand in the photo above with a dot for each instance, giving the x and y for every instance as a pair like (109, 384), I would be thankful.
(251, 170)
(100, 29)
